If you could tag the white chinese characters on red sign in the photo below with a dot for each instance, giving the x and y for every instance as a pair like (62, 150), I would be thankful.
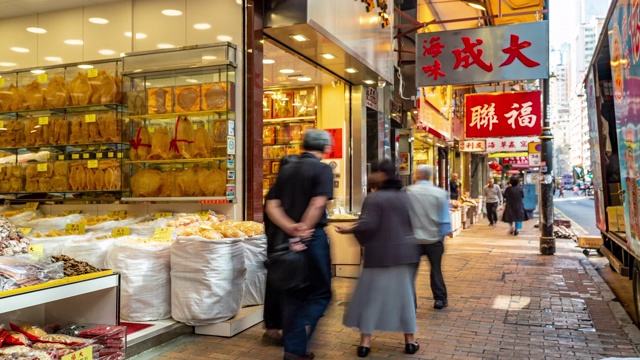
(472, 146)
(503, 114)
(509, 144)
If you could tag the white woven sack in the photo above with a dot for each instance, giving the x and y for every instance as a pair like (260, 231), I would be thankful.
(90, 250)
(207, 278)
(107, 226)
(149, 227)
(43, 225)
(56, 245)
(255, 253)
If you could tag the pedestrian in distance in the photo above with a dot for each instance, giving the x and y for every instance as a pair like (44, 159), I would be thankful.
(431, 221)
(272, 315)
(454, 187)
(384, 297)
(298, 206)
(560, 191)
(514, 212)
(493, 198)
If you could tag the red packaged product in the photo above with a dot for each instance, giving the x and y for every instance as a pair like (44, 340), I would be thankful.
(33, 333)
(3, 334)
(103, 331)
(15, 338)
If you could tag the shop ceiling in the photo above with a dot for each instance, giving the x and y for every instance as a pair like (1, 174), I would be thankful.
(15, 8)
(283, 69)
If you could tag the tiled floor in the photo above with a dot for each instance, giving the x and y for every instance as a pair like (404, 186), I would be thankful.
(505, 302)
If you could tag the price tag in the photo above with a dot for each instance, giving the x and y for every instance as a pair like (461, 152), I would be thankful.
(85, 155)
(99, 155)
(43, 78)
(92, 164)
(119, 155)
(25, 231)
(31, 206)
(76, 228)
(163, 234)
(1, 82)
(75, 156)
(203, 214)
(110, 154)
(43, 120)
(159, 215)
(82, 354)
(36, 249)
(1, 122)
(92, 73)
(117, 213)
(60, 157)
(42, 167)
(119, 232)
(90, 118)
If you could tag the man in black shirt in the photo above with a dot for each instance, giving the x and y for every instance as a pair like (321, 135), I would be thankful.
(298, 207)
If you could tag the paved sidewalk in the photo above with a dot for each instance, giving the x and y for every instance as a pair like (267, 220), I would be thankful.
(505, 302)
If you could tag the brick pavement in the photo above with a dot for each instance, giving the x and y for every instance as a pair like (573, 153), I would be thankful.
(505, 302)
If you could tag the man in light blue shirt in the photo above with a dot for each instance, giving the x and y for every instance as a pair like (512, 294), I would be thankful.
(431, 222)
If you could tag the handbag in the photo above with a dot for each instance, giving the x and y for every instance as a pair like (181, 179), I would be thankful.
(286, 269)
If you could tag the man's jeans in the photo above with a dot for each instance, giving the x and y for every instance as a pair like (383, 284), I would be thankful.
(492, 214)
(304, 307)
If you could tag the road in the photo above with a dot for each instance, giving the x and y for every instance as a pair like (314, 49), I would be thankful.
(581, 210)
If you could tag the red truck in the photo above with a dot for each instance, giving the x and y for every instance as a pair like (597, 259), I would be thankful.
(612, 85)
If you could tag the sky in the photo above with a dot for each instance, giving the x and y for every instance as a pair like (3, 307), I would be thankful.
(562, 21)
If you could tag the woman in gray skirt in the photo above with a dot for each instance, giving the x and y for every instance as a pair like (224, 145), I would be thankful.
(384, 298)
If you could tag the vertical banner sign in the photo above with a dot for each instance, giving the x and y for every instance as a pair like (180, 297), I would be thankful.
(482, 55)
(336, 150)
(503, 114)
(624, 51)
(371, 100)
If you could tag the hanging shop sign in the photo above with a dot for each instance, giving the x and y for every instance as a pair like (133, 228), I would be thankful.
(482, 55)
(396, 111)
(479, 145)
(405, 164)
(515, 160)
(509, 144)
(503, 114)
(371, 100)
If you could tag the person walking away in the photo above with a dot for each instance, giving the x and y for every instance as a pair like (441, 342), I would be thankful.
(431, 221)
(514, 212)
(384, 297)
(272, 315)
(454, 187)
(298, 207)
(493, 198)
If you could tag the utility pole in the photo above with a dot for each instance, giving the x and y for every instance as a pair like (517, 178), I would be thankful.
(547, 240)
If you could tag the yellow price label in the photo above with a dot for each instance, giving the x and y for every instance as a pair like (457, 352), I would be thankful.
(36, 249)
(110, 154)
(203, 214)
(82, 354)
(60, 157)
(92, 164)
(117, 213)
(119, 232)
(71, 212)
(85, 155)
(75, 156)
(42, 167)
(75, 228)
(1, 82)
(163, 234)
(43, 78)
(92, 73)
(90, 118)
(31, 206)
(1, 124)
(25, 230)
(165, 214)
(43, 120)
(119, 155)
(99, 155)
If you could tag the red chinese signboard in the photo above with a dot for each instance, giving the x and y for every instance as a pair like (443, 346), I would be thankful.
(503, 114)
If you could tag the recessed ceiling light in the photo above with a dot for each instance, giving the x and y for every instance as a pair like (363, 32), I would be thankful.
(138, 35)
(202, 26)
(36, 30)
(224, 38)
(287, 71)
(20, 49)
(269, 92)
(106, 52)
(304, 78)
(209, 57)
(328, 56)
(369, 82)
(97, 20)
(239, 2)
(165, 46)
(4, 63)
(299, 37)
(73, 42)
(53, 58)
(351, 70)
(38, 72)
(171, 12)
(85, 66)
(193, 81)
(268, 61)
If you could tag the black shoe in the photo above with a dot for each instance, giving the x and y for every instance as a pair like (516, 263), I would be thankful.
(363, 351)
(439, 304)
(515, 233)
(309, 356)
(411, 348)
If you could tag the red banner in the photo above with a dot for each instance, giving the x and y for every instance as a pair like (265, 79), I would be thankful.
(503, 114)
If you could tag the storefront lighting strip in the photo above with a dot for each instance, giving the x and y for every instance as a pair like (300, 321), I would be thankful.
(508, 154)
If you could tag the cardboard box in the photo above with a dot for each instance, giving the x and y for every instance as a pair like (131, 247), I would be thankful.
(589, 242)
(614, 196)
(621, 222)
(612, 218)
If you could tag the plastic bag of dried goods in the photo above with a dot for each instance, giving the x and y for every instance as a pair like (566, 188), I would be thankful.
(207, 278)
(45, 224)
(145, 278)
(147, 226)
(55, 245)
(255, 253)
(92, 249)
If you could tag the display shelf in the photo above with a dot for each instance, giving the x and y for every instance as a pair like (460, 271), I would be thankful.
(175, 161)
(200, 199)
(309, 119)
(78, 109)
(70, 147)
(174, 115)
